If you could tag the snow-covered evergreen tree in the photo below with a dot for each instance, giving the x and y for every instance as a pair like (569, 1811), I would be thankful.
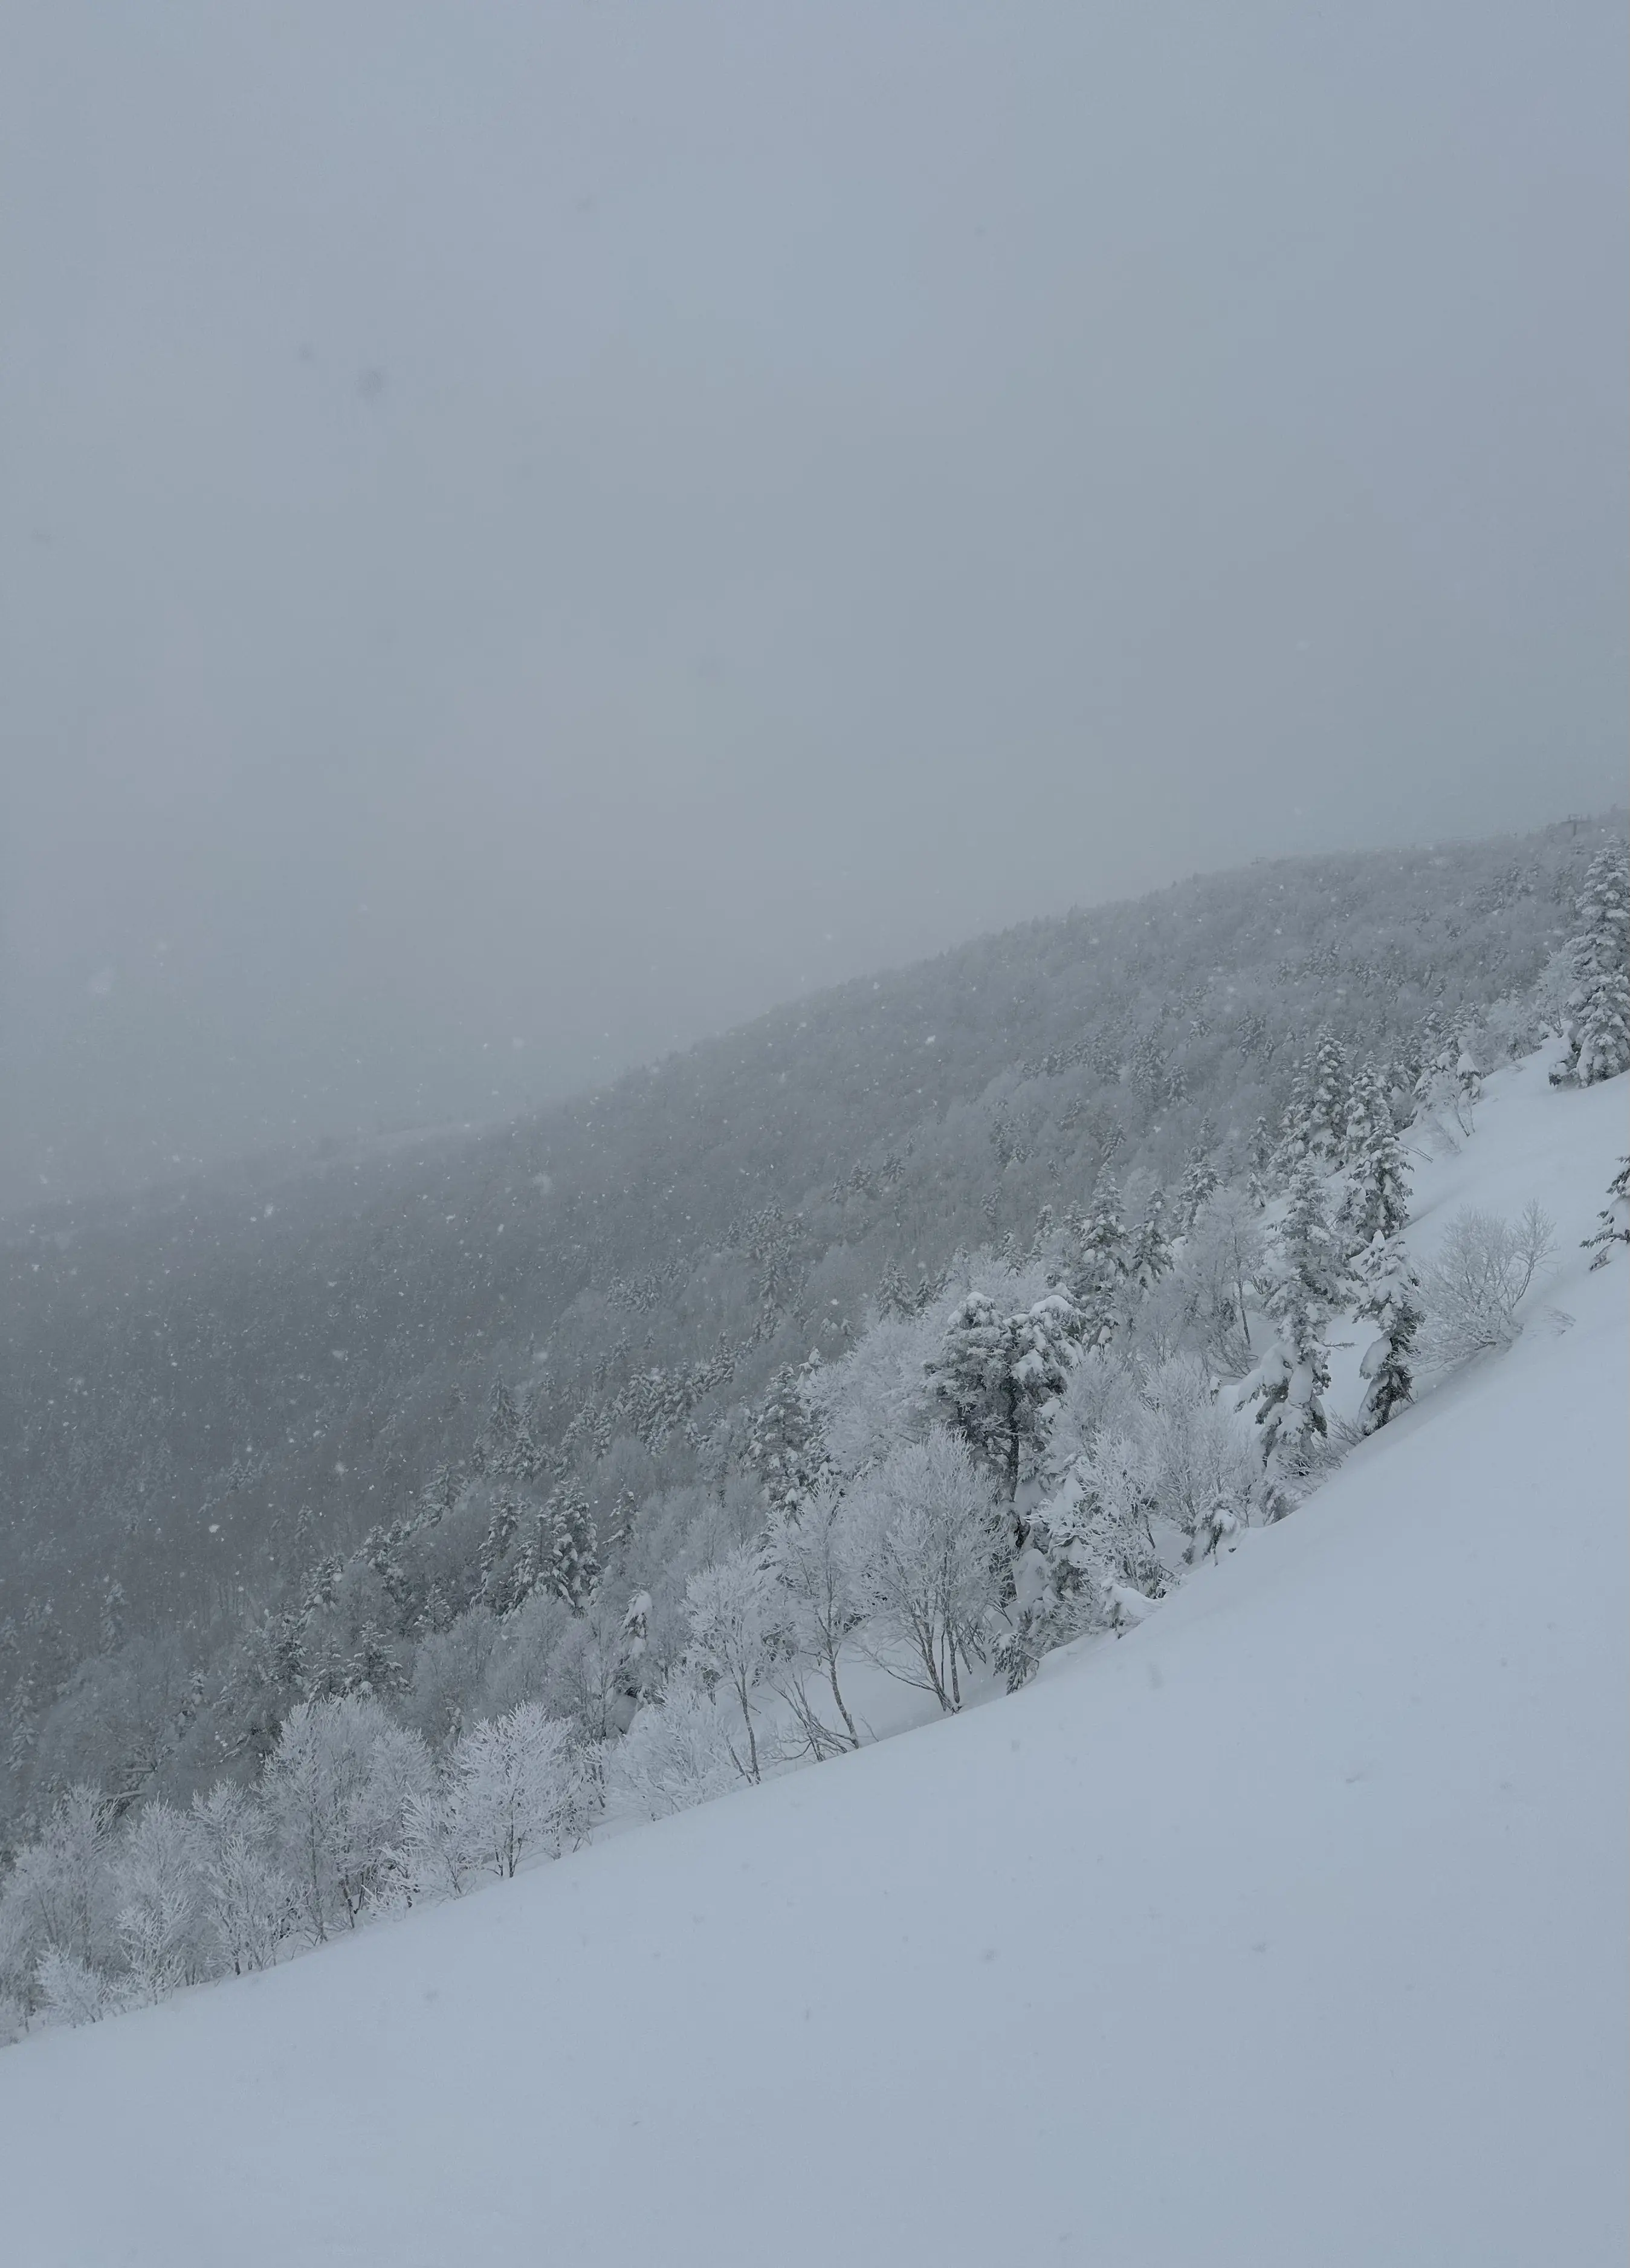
(1150, 1256)
(1328, 1093)
(997, 1375)
(784, 1446)
(1376, 1199)
(574, 1567)
(1308, 1284)
(1613, 1221)
(1597, 1014)
(497, 1574)
(1198, 1186)
(1390, 1298)
(1095, 1276)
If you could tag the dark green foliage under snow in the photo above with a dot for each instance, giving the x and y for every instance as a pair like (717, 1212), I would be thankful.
(370, 1429)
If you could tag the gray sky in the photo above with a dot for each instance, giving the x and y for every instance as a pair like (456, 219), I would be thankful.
(530, 532)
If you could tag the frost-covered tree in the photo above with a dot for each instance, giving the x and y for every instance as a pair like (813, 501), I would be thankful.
(1307, 1285)
(1612, 1225)
(1196, 1454)
(1390, 1298)
(248, 1903)
(1375, 1201)
(734, 1611)
(1477, 1280)
(922, 1539)
(678, 1751)
(75, 1992)
(159, 1888)
(334, 1791)
(1597, 1012)
(1225, 1258)
(1091, 1561)
(805, 1556)
(61, 1896)
(516, 1784)
(996, 1378)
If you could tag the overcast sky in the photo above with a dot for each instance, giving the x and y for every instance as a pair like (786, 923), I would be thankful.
(530, 532)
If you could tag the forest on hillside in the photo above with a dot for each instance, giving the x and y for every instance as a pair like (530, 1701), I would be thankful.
(455, 1430)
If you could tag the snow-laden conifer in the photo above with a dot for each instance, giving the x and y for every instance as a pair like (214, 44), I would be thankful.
(1597, 1012)
(1612, 1223)
(1375, 1201)
(1389, 1298)
(997, 1377)
(1307, 1285)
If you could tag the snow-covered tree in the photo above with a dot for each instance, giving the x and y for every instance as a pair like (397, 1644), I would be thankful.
(334, 1791)
(159, 1887)
(1612, 1226)
(248, 1903)
(1307, 1285)
(75, 1992)
(1478, 1277)
(1329, 1081)
(1597, 1012)
(1375, 1201)
(996, 1378)
(61, 1897)
(1196, 1452)
(922, 1540)
(784, 1445)
(502, 1588)
(1150, 1256)
(1390, 1298)
(1097, 1275)
(805, 1556)
(1195, 1191)
(515, 1784)
(734, 1612)
(1224, 1259)
(678, 1751)
(573, 1566)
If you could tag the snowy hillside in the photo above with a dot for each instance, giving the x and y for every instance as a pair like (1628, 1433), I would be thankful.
(1286, 1928)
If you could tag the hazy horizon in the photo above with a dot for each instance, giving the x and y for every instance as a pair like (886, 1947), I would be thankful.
(530, 538)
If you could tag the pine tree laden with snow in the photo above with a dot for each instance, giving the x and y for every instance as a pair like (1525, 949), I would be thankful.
(1149, 1256)
(1598, 1014)
(1308, 1285)
(997, 1377)
(1376, 1199)
(1390, 1298)
(574, 1567)
(1195, 1191)
(1613, 1221)
(784, 1446)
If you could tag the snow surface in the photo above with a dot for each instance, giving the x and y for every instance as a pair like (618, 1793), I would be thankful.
(1286, 1929)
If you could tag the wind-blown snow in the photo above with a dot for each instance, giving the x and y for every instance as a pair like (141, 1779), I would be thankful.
(1286, 1929)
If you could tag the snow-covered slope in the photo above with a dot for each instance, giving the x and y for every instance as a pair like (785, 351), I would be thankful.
(1288, 1929)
